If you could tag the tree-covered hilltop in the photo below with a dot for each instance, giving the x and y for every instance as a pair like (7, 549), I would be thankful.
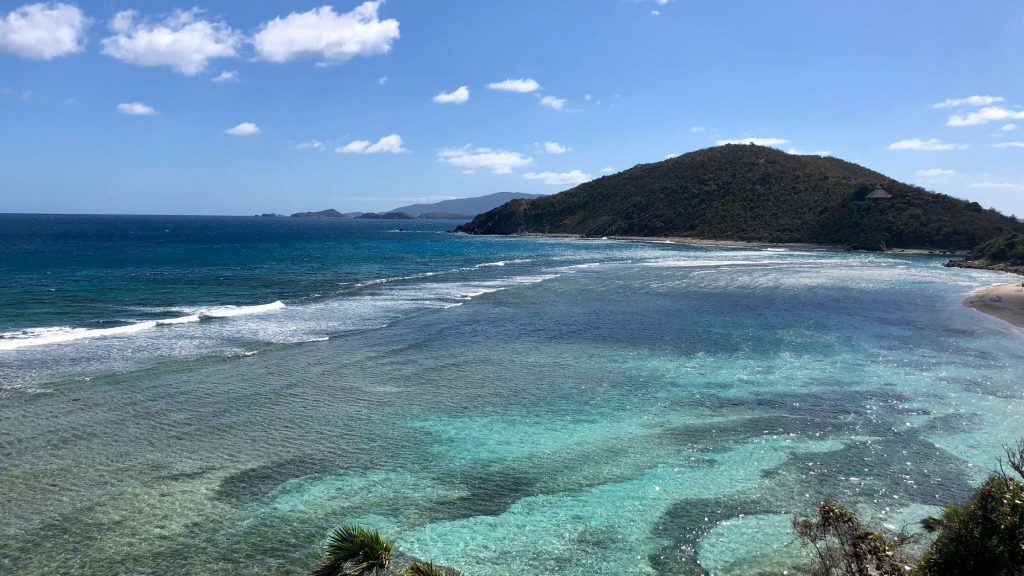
(758, 194)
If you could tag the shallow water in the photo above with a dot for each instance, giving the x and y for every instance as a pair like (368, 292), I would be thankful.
(579, 408)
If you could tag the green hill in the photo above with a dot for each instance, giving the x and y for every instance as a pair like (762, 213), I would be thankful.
(757, 194)
(1005, 252)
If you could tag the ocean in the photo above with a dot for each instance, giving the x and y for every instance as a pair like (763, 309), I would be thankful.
(212, 395)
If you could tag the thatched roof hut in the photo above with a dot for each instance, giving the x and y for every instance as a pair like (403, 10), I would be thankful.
(877, 194)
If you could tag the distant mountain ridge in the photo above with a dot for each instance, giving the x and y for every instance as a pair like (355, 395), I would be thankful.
(457, 209)
(758, 194)
(464, 207)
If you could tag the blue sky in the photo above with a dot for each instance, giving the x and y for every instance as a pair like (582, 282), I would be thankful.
(224, 107)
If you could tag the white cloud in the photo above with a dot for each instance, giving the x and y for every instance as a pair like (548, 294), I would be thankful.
(382, 80)
(521, 85)
(226, 77)
(607, 170)
(1010, 186)
(1008, 127)
(43, 31)
(796, 152)
(324, 33)
(136, 109)
(969, 101)
(935, 172)
(556, 148)
(1009, 145)
(672, 155)
(182, 41)
(458, 96)
(243, 129)
(655, 12)
(26, 95)
(984, 116)
(930, 145)
(310, 145)
(571, 177)
(696, 129)
(497, 161)
(758, 141)
(390, 144)
(553, 103)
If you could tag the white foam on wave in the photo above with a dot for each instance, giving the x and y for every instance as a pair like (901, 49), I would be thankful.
(60, 334)
(502, 263)
(376, 281)
(232, 311)
(179, 320)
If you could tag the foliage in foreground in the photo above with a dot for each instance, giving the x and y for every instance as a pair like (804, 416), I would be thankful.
(985, 536)
(356, 551)
(842, 546)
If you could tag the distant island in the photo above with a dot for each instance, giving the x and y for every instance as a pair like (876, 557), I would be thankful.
(743, 192)
(386, 216)
(457, 209)
(329, 213)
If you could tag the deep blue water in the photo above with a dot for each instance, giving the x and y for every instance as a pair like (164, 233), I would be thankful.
(186, 395)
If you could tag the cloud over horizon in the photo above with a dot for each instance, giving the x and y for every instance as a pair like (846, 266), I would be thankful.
(969, 101)
(520, 85)
(984, 116)
(226, 77)
(458, 96)
(497, 161)
(556, 148)
(135, 109)
(243, 129)
(935, 172)
(43, 31)
(390, 144)
(553, 102)
(322, 32)
(181, 41)
(570, 178)
(929, 145)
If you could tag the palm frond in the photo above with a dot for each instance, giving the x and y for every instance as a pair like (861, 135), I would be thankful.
(354, 551)
(419, 568)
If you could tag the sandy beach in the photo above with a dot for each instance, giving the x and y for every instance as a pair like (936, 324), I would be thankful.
(1005, 301)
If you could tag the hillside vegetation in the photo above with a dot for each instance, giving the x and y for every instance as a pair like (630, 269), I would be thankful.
(1005, 252)
(758, 194)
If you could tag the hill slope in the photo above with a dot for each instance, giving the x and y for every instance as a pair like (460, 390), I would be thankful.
(753, 193)
(465, 206)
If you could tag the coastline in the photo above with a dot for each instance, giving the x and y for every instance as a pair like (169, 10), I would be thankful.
(1004, 301)
(739, 243)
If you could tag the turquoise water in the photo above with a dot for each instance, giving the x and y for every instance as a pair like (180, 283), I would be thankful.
(506, 406)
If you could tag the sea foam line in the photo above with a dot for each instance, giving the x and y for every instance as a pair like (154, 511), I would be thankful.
(61, 334)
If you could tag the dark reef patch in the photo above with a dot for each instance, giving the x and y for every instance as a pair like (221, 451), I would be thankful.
(686, 522)
(259, 481)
